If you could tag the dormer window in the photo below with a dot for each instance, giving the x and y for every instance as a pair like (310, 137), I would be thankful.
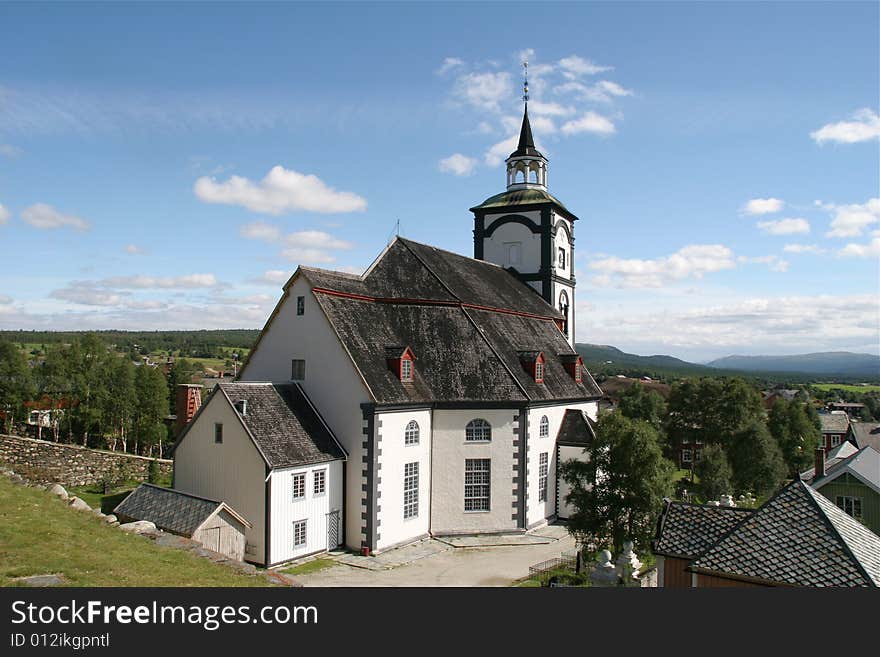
(533, 362)
(574, 365)
(401, 362)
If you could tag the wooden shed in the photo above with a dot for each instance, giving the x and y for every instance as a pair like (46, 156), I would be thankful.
(212, 523)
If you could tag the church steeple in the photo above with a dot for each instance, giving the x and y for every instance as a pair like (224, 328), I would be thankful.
(526, 166)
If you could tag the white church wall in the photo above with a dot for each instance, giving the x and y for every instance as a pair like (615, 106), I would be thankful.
(448, 459)
(566, 453)
(313, 508)
(538, 510)
(562, 241)
(393, 528)
(232, 471)
(332, 382)
(497, 247)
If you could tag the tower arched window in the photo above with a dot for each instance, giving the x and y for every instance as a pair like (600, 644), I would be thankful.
(563, 308)
(478, 431)
(411, 433)
(544, 430)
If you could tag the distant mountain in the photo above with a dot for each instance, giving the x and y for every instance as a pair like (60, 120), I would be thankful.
(607, 357)
(839, 363)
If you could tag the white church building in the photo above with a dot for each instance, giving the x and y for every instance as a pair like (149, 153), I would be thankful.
(433, 395)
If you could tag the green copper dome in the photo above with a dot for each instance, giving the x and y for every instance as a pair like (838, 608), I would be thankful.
(526, 196)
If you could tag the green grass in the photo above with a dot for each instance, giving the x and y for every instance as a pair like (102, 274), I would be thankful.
(684, 474)
(40, 535)
(312, 566)
(846, 386)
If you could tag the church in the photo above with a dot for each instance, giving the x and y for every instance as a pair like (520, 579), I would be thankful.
(435, 394)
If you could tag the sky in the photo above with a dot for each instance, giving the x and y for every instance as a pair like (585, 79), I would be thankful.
(168, 166)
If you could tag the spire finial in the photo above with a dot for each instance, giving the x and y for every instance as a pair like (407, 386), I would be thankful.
(526, 82)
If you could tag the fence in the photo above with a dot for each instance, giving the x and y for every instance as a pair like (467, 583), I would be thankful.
(566, 561)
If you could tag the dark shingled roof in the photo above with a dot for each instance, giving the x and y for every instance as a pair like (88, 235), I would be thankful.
(867, 434)
(283, 424)
(834, 422)
(435, 302)
(797, 538)
(170, 510)
(576, 429)
(687, 530)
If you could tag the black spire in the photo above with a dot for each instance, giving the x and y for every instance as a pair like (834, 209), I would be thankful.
(526, 144)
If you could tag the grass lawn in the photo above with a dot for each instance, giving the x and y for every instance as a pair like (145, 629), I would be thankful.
(847, 387)
(94, 495)
(40, 535)
(312, 566)
(684, 474)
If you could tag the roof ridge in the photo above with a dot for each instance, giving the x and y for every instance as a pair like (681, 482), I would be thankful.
(459, 255)
(336, 272)
(430, 271)
(182, 492)
(495, 352)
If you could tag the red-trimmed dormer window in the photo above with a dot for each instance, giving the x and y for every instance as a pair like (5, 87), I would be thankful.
(534, 363)
(401, 361)
(574, 365)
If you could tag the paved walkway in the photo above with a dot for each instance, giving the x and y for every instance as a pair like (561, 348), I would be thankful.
(426, 564)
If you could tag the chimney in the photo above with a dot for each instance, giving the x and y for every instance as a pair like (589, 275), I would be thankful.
(819, 469)
(189, 398)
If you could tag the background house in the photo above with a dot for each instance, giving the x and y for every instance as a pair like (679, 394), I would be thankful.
(853, 484)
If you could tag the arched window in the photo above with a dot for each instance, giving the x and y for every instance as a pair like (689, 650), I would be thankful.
(478, 431)
(411, 433)
(545, 427)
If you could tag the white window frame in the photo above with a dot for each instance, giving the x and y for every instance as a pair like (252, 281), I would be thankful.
(300, 533)
(406, 370)
(687, 455)
(835, 441)
(411, 490)
(513, 249)
(543, 469)
(852, 502)
(544, 427)
(539, 372)
(561, 257)
(411, 433)
(478, 430)
(297, 482)
(319, 476)
(477, 485)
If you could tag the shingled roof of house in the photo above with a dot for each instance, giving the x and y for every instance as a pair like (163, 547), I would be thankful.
(833, 458)
(687, 530)
(283, 424)
(170, 510)
(796, 538)
(867, 434)
(864, 465)
(834, 422)
(465, 320)
(576, 429)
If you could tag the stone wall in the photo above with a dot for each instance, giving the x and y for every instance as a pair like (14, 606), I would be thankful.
(74, 465)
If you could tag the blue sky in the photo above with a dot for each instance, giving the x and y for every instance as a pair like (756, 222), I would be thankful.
(169, 165)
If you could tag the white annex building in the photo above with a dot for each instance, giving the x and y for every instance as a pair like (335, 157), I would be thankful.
(433, 395)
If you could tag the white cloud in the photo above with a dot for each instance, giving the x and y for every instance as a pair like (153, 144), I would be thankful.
(485, 128)
(45, 217)
(773, 262)
(589, 122)
(4, 215)
(692, 261)
(157, 282)
(574, 67)
(272, 277)
(306, 256)
(9, 150)
(788, 226)
(851, 220)
(84, 293)
(763, 206)
(448, 64)
(316, 239)
(543, 125)
(869, 250)
(497, 153)
(134, 249)
(458, 164)
(305, 246)
(485, 91)
(803, 248)
(865, 126)
(259, 230)
(537, 108)
(282, 190)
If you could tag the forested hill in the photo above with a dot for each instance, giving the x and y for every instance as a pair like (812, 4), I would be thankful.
(605, 358)
(841, 363)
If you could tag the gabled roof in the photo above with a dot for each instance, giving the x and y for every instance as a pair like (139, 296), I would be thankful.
(796, 538)
(283, 424)
(576, 429)
(867, 434)
(687, 530)
(171, 510)
(834, 422)
(466, 321)
(864, 465)
(832, 459)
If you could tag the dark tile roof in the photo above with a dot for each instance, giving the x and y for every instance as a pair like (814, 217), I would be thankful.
(687, 530)
(285, 427)
(867, 434)
(436, 303)
(576, 429)
(797, 538)
(170, 510)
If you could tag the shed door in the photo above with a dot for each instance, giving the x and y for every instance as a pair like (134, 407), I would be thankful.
(333, 530)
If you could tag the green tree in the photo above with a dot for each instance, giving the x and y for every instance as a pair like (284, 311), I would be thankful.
(638, 403)
(151, 408)
(792, 427)
(756, 460)
(617, 493)
(714, 473)
(87, 367)
(16, 383)
(182, 371)
(119, 399)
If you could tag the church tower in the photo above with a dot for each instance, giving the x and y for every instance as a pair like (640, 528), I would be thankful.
(528, 231)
